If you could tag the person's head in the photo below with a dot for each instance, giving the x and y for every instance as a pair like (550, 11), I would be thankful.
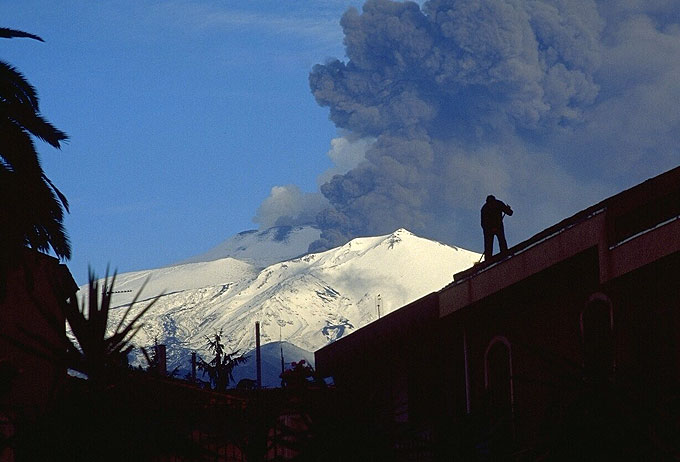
(490, 198)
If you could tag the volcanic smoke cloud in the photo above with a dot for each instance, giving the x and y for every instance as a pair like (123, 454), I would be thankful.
(549, 105)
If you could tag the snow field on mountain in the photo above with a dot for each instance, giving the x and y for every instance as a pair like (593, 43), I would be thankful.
(308, 301)
(179, 278)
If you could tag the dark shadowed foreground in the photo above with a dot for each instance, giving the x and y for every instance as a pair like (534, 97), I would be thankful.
(565, 347)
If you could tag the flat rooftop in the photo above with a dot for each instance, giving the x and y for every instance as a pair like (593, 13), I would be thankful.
(618, 226)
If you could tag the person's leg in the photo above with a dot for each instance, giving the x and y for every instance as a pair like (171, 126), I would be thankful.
(488, 244)
(502, 243)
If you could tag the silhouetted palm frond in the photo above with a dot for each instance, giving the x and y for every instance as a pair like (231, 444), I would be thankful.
(13, 33)
(96, 352)
(32, 207)
(31, 214)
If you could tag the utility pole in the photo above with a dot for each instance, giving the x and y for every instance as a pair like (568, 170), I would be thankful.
(258, 355)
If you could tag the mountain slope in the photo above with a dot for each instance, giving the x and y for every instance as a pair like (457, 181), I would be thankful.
(271, 362)
(308, 301)
(263, 248)
(173, 279)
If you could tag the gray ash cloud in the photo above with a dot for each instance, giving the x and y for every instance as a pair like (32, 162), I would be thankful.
(547, 104)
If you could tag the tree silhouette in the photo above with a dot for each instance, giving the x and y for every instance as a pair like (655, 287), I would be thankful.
(32, 208)
(220, 369)
(300, 375)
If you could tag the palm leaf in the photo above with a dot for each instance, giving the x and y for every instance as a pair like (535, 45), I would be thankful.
(14, 33)
(132, 303)
(18, 151)
(59, 194)
(32, 209)
(15, 89)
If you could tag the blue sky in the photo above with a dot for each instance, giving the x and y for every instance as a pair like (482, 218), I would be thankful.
(182, 116)
(190, 121)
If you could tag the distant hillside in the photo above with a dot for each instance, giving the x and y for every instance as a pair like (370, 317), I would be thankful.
(271, 362)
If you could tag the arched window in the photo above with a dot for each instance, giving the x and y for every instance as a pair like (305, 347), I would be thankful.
(498, 376)
(597, 336)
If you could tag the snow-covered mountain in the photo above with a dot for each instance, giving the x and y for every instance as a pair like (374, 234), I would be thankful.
(263, 248)
(307, 301)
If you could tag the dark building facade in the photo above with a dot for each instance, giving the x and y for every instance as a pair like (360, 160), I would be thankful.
(31, 317)
(567, 347)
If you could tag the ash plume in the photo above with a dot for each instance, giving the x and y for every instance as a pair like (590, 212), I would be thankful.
(550, 105)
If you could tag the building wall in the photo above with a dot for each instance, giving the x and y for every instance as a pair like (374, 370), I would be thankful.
(390, 373)
(538, 322)
(647, 323)
(568, 343)
(559, 352)
(31, 322)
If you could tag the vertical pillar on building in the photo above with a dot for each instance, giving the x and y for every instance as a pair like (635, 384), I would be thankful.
(467, 372)
(161, 359)
(258, 357)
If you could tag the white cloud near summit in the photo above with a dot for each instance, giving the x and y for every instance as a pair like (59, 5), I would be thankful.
(289, 206)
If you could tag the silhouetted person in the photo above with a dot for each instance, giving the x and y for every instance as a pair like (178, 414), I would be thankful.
(492, 224)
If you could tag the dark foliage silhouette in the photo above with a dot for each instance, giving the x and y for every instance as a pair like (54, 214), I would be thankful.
(95, 352)
(300, 375)
(32, 208)
(117, 413)
(220, 369)
(140, 417)
(90, 349)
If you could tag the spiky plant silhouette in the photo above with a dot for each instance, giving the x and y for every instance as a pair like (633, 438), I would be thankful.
(90, 346)
(94, 351)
